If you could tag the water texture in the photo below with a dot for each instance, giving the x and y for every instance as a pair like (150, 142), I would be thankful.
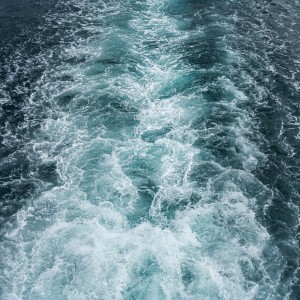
(150, 150)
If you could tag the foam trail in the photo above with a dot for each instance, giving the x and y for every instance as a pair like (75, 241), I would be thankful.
(144, 209)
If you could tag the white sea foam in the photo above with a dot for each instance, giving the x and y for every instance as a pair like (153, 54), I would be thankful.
(122, 224)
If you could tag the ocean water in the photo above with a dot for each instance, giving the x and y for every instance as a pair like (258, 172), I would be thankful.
(149, 149)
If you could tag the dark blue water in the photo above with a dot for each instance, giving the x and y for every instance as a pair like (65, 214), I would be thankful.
(149, 149)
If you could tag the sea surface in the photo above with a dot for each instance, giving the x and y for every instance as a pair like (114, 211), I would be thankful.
(149, 149)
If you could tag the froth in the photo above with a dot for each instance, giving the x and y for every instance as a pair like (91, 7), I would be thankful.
(146, 209)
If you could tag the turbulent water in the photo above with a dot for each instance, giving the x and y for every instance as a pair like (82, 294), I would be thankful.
(150, 149)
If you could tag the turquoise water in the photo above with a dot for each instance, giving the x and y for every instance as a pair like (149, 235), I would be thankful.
(149, 151)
